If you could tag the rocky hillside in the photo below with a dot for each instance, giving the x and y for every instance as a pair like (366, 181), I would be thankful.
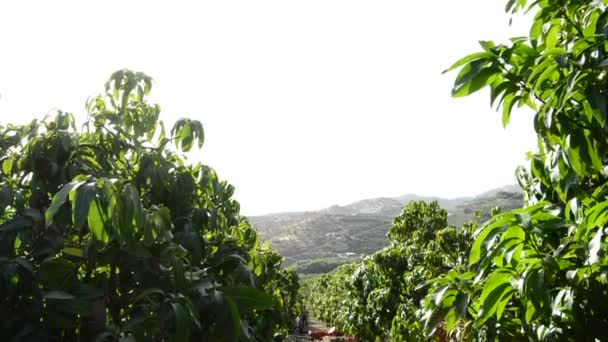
(360, 228)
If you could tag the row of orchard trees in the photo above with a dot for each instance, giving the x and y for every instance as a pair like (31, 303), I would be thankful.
(107, 233)
(381, 296)
(536, 273)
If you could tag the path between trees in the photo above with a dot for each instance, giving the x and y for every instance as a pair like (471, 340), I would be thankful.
(314, 326)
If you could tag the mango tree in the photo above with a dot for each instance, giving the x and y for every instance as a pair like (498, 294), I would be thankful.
(107, 232)
(541, 272)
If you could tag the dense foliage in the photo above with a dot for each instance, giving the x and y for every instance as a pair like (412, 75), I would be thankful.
(108, 233)
(539, 272)
(381, 296)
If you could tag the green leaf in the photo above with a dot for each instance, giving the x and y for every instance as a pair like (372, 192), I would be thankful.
(182, 323)
(477, 81)
(595, 217)
(451, 320)
(492, 300)
(507, 105)
(536, 29)
(503, 301)
(496, 279)
(59, 199)
(574, 155)
(468, 59)
(133, 196)
(77, 252)
(7, 166)
(530, 312)
(498, 90)
(235, 320)
(487, 45)
(524, 221)
(199, 133)
(551, 38)
(179, 276)
(81, 199)
(461, 304)
(487, 233)
(545, 75)
(536, 287)
(599, 103)
(467, 73)
(438, 294)
(186, 137)
(96, 223)
(594, 246)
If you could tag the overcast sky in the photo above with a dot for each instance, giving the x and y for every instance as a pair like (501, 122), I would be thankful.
(305, 104)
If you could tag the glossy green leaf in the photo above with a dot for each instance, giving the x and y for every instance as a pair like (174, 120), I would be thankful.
(488, 233)
(507, 106)
(492, 301)
(77, 252)
(551, 37)
(468, 59)
(96, 222)
(595, 245)
(234, 330)
(7, 166)
(477, 82)
(461, 304)
(59, 199)
(81, 199)
(439, 293)
(187, 137)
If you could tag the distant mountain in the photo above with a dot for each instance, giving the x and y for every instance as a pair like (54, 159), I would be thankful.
(374, 206)
(505, 198)
(445, 203)
(360, 227)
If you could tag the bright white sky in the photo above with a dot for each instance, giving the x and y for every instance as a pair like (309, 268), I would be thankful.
(305, 104)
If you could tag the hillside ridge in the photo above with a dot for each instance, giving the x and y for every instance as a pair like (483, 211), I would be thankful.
(360, 227)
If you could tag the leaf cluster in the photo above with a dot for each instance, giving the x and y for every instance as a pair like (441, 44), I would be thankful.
(539, 273)
(108, 233)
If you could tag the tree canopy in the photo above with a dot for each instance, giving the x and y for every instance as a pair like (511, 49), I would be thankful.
(107, 232)
(539, 272)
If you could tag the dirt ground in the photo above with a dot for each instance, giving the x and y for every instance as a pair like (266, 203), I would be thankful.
(313, 326)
